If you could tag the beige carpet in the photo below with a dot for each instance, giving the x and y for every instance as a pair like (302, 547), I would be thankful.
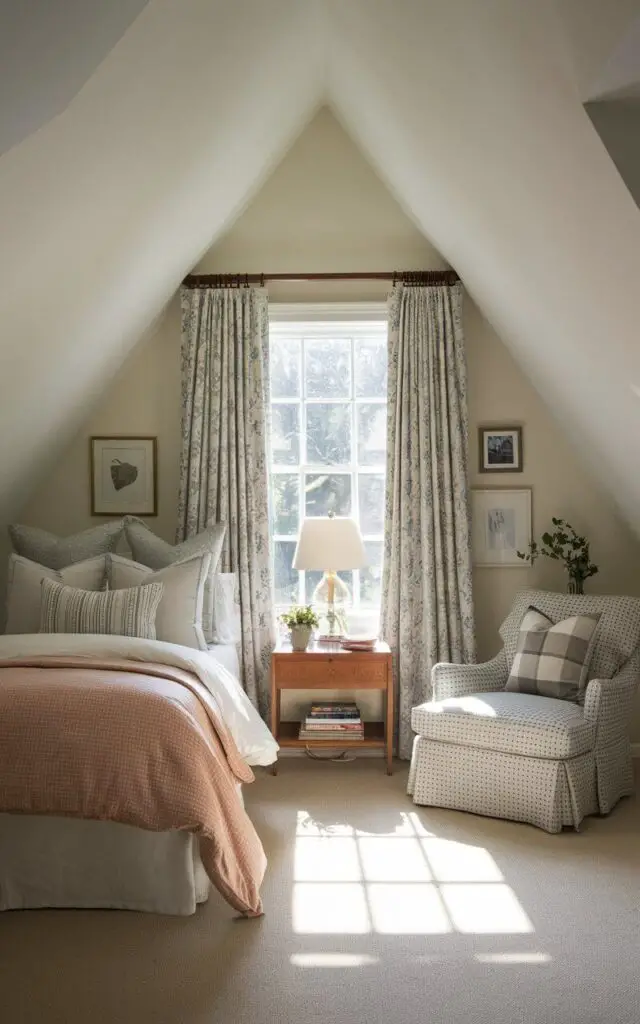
(375, 911)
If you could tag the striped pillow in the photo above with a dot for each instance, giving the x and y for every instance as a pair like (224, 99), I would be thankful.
(552, 659)
(117, 612)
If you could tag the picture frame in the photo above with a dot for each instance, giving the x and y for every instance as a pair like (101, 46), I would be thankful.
(500, 526)
(123, 472)
(500, 449)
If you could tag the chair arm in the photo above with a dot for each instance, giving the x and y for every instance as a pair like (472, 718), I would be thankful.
(608, 702)
(458, 680)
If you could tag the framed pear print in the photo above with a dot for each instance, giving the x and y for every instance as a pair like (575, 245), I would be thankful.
(123, 476)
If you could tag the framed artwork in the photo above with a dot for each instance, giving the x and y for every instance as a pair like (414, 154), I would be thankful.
(500, 449)
(123, 476)
(500, 526)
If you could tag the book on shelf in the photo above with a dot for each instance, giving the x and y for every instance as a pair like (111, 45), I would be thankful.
(341, 720)
(333, 726)
(337, 709)
(331, 734)
(333, 711)
(333, 704)
(342, 716)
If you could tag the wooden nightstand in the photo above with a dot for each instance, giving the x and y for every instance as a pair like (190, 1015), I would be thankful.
(329, 667)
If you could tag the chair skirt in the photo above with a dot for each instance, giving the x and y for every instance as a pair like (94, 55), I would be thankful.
(549, 794)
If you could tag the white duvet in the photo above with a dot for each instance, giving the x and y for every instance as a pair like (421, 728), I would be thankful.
(253, 739)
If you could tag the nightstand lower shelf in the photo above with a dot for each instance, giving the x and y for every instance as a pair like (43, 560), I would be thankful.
(373, 737)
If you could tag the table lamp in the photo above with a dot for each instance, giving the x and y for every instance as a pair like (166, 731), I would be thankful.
(330, 544)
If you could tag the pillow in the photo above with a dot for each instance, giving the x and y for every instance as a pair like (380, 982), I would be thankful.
(117, 613)
(553, 660)
(179, 617)
(618, 628)
(58, 552)
(225, 627)
(24, 591)
(157, 553)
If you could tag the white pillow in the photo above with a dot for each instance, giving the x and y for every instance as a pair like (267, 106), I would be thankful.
(24, 587)
(156, 553)
(225, 609)
(179, 615)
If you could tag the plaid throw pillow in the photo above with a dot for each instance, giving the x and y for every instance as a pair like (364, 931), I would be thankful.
(552, 660)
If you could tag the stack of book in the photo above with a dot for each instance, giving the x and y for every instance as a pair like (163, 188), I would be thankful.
(333, 720)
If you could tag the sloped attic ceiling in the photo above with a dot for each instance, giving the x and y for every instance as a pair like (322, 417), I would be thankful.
(598, 40)
(106, 207)
(47, 52)
(469, 112)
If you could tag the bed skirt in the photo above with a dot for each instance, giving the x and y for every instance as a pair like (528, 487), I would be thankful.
(68, 862)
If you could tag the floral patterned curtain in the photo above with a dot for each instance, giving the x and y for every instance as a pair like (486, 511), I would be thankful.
(224, 462)
(427, 605)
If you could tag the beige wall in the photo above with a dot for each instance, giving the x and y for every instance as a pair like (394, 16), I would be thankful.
(325, 209)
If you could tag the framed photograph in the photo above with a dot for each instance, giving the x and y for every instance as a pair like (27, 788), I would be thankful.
(500, 526)
(123, 476)
(500, 449)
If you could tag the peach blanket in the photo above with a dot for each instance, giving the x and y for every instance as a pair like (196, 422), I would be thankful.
(132, 742)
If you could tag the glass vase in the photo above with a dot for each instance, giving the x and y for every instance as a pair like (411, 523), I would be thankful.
(575, 585)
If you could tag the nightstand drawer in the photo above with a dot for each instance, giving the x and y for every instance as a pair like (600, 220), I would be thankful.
(326, 673)
(302, 673)
(360, 672)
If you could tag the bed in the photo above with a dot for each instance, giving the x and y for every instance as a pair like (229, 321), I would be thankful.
(71, 859)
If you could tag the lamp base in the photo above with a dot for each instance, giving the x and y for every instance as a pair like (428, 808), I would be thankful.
(331, 595)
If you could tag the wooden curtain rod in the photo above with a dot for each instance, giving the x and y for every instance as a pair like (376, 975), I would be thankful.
(407, 277)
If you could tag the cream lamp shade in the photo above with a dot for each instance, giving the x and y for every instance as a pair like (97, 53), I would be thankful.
(330, 543)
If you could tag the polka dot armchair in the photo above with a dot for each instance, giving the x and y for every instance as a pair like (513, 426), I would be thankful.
(521, 756)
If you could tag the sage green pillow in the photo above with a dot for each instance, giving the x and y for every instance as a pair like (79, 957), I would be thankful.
(58, 552)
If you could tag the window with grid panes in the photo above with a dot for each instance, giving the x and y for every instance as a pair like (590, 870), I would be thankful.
(328, 446)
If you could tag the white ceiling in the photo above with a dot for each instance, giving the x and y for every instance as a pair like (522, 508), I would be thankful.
(601, 45)
(48, 50)
(470, 112)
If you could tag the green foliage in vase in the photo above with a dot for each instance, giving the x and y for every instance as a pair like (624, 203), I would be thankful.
(564, 545)
(300, 615)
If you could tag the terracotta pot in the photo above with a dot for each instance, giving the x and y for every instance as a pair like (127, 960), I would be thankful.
(300, 637)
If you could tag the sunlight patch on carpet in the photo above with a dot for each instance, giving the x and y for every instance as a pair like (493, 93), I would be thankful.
(403, 882)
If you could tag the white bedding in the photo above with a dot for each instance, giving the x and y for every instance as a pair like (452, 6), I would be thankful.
(227, 655)
(254, 741)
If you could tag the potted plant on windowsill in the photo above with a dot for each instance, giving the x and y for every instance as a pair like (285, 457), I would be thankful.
(301, 621)
(565, 545)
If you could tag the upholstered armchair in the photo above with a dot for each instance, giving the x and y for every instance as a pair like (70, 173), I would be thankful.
(530, 758)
